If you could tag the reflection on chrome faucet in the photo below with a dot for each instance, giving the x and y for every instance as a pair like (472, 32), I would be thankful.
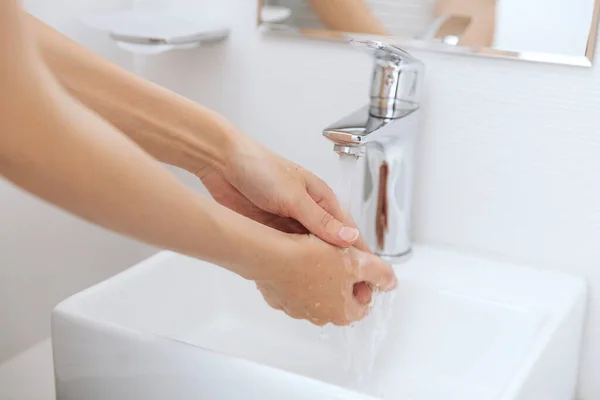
(383, 133)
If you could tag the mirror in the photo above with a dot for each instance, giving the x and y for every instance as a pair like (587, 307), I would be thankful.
(556, 31)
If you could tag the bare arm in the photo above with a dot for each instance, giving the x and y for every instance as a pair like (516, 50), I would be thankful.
(179, 132)
(348, 16)
(55, 148)
(171, 128)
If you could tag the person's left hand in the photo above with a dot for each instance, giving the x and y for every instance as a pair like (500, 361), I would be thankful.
(278, 193)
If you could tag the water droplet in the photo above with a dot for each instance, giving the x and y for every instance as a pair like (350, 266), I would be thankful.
(317, 305)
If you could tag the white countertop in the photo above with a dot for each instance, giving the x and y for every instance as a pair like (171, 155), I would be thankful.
(29, 375)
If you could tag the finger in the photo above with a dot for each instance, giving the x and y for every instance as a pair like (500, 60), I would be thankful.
(361, 245)
(355, 313)
(341, 322)
(324, 196)
(274, 305)
(293, 314)
(377, 273)
(318, 322)
(347, 220)
(287, 225)
(268, 299)
(324, 225)
(362, 293)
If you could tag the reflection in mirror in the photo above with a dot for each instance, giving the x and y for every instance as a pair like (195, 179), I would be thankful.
(562, 31)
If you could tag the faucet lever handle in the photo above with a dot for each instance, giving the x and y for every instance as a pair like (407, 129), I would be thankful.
(395, 79)
(380, 50)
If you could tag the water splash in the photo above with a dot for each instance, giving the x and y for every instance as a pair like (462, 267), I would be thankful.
(344, 186)
(362, 341)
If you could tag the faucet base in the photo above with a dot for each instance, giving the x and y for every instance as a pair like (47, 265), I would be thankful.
(356, 151)
(399, 258)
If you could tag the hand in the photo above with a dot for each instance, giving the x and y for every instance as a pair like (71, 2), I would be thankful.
(227, 195)
(278, 193)
(318, 282)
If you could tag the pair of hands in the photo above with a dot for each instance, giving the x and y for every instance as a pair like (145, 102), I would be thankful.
(323, 280)
(330, 274)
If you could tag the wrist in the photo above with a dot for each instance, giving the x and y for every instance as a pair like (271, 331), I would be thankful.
(220, 139)
(255, 251)
(227, 144)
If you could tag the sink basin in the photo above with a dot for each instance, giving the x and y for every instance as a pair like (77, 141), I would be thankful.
(462, 328)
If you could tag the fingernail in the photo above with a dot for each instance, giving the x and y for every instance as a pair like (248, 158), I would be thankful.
(348, 234)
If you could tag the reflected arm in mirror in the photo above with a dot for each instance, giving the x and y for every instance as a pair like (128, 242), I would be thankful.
(473, 22)
(348, 16)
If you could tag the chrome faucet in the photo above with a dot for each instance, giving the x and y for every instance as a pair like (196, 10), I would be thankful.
(381, 135)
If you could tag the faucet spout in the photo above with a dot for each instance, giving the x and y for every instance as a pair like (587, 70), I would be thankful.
(351, 133)
(382, 134)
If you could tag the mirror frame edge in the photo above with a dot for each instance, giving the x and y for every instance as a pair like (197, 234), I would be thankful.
(585, 60)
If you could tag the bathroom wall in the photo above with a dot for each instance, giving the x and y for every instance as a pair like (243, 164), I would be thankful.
(509, 160)
(509, 156)
(46, 255)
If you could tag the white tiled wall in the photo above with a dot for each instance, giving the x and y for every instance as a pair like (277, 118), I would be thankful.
(509, 160)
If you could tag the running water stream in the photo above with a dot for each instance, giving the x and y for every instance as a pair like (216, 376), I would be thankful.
(361, 341)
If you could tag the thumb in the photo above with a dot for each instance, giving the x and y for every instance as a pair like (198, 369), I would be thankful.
(377, 273)
(324, 225)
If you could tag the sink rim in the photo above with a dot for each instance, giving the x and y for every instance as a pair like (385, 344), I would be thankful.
(73, 308)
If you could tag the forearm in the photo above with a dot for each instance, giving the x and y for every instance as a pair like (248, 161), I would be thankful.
(348, 16)
(55, 148)
(83, 165)
(171, 128)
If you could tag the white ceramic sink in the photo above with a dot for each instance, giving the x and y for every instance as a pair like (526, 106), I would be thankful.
(462, 328)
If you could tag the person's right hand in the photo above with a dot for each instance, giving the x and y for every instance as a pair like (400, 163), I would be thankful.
(317, 282)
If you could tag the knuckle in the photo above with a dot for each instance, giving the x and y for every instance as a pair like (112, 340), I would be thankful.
(340, 322)
(343, 319)
(295, 204)
(282, 206)
(326, 219)
(292, 314)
